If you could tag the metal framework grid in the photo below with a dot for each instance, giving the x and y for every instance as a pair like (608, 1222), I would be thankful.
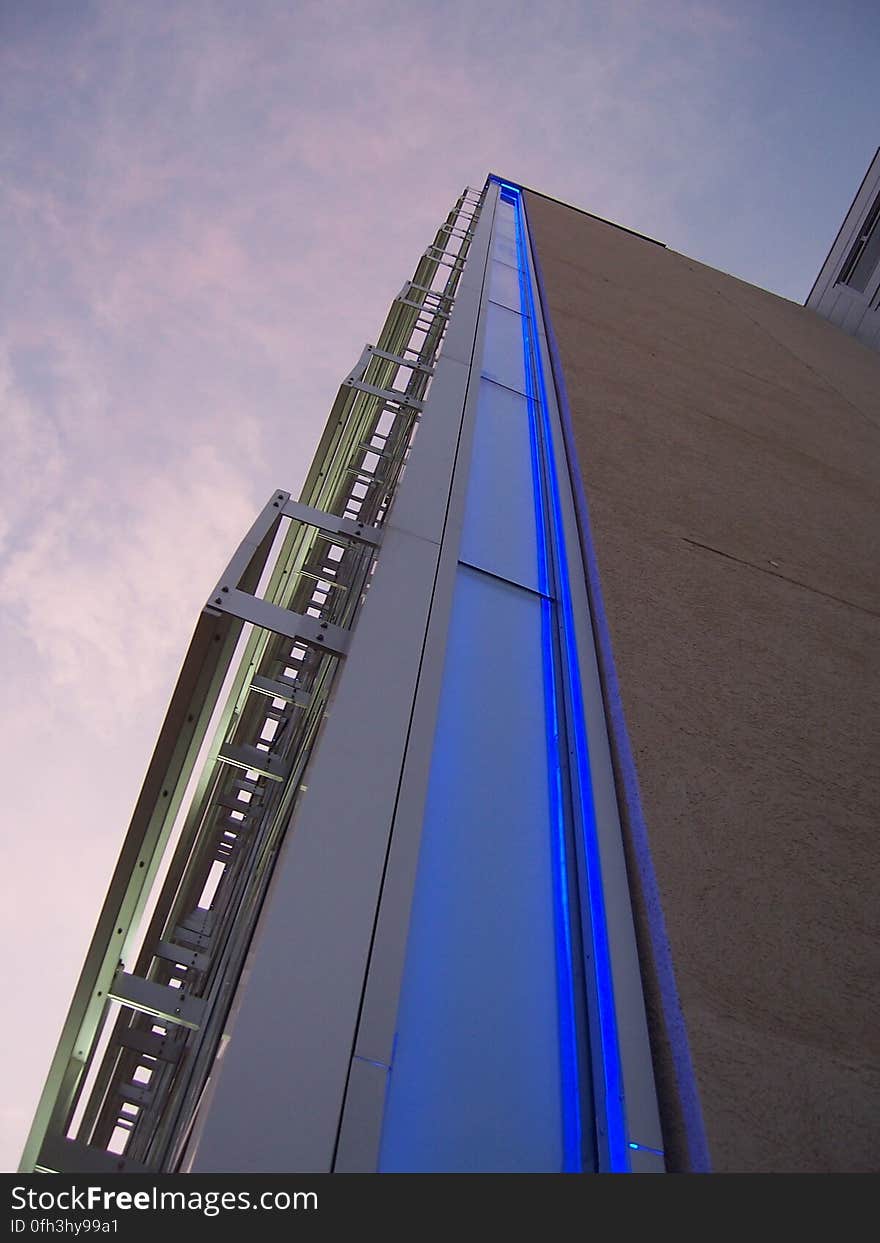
(139, 1041)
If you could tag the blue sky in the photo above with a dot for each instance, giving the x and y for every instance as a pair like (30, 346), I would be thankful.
(207, 208)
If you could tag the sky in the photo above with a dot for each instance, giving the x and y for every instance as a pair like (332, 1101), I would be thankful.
(207, 208)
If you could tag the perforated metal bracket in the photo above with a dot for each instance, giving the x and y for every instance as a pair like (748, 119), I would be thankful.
(370, 352)
(246, 565)
(401, 360)
(332, 524)
(311, 630)
(438, 305)
(388, 395)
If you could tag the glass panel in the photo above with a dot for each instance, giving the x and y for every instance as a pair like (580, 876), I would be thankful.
(504, 234)
(504, 285)
(499, 527)
(475, 1082)
(867, 261)
(504, 250)
(503, 349)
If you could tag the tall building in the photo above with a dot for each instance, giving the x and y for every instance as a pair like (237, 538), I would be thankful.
(515, 809)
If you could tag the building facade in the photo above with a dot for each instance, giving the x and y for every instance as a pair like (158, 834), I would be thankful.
(847, 289)
(515, 808)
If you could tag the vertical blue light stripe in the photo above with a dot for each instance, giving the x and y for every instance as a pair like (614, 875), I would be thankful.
(615, 1124)
(474, 1081)
(699, 1160)
(571, 1094)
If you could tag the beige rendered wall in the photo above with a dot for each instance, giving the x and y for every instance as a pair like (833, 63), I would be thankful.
(729, 443)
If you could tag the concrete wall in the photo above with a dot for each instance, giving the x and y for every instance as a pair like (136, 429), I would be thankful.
(729, 443)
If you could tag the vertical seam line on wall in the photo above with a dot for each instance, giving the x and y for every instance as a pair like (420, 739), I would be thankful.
(462, 414)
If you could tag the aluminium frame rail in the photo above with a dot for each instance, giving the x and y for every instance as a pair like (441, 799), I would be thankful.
(139, 1042)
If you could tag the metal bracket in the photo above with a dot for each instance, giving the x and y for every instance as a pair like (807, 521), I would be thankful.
(58, 1154)
(136, 1094)
(311, 630)
(372, 351)
(277, 689)
(332, 523)
(252, 759)
(452, 231)
(160, 1047)
(401, 360)
(437, 254)
(437, 298)
(171, 1005)
(425, 309)
(249, 811)
(357, 371)
(251, 554)
(387, 394)
(182, 956)
(247, 555)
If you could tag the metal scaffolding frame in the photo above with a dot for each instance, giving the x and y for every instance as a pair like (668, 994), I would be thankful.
(149, 1011)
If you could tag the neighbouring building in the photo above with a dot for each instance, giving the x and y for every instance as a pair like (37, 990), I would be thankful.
(847, 289)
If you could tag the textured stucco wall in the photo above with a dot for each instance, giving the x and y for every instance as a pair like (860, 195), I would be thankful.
(729, 444)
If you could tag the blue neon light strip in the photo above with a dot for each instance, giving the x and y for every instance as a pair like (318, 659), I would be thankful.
(571, 1094)
(615, 1122)
(658, 1152)
(698, 1160)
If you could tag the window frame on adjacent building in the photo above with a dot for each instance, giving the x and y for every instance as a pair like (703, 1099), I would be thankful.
(868, 235)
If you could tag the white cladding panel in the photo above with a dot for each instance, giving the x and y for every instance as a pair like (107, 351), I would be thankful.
(855, 310)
